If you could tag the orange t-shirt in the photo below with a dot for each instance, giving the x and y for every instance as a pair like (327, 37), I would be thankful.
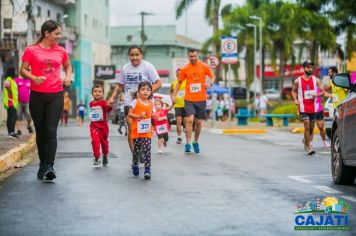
(141, 128)
(194, 75)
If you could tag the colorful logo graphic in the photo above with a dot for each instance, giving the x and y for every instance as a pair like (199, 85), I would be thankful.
(329, 213)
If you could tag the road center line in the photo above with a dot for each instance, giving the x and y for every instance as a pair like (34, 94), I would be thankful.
(350, 198)
(300, 179)
(327, 189)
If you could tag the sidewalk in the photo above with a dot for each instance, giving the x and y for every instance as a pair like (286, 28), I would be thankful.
(14, 150)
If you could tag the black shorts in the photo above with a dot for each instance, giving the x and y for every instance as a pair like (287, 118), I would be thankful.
(126, 110)
(164, 136)
(179, 111)
(311, 116)
(198, 109)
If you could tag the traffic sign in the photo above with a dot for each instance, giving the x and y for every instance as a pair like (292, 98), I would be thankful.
(229, 50)
(212, 61)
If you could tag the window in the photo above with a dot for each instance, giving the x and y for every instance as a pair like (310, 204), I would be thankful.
(48, 13)
(129, 38)
(59, 18)
(85, 19)
(38, 11)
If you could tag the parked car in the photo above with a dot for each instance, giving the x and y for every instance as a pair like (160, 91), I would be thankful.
(164, 94)
(328, 116)
(343, 148)
(272, 94)
(240, 93)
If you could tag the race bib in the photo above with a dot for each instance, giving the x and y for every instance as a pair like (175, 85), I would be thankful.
(308, 94)
(195, 88)
(96, 114)
(144, 126)
(162, 129)
(181, 93)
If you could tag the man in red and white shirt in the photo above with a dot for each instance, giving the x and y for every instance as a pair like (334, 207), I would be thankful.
(305, 94)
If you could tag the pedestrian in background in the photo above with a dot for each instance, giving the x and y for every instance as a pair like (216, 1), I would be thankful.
(67, 103)
(209, 107)
(263, 104)
(41, 62)
(24, 89)
(10, 100)
(99, 128)
(81, 112)
(179, 106)
(141, 112)
(161, 123)
(121, 115)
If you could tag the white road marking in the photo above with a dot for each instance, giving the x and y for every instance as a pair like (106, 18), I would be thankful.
(327, 189)
(350, 198)
(300, 179)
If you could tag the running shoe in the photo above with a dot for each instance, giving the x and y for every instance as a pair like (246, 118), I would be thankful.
(160, 151)
(311, 152)
(196, 147)
(179, 140)
(326, 144)
(13, 135)
(187, 148)
(135, 171)
(147, 175)
(105, 161)
(41, 171)
(50, 173)
(96, 161)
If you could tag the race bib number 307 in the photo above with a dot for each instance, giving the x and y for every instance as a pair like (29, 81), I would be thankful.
(144, 126)
(96, 114)
(195, 88)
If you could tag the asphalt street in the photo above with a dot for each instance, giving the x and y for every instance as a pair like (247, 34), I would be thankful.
(237, 185)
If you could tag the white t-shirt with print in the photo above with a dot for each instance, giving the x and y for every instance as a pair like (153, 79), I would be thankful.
(130, 76)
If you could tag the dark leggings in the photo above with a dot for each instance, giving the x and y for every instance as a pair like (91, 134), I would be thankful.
(11, 119)
(46, 110)
(142, 146)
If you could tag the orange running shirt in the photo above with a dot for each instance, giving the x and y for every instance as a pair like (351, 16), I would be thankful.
(141, 128)
(194, 75)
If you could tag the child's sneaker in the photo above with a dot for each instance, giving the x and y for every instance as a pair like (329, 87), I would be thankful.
(135, 171)
(196, 147)
(147, 174)
(105, 161)
(187, 148)
(326, 144)
(96, 161)
(179, 140)
(160, 151)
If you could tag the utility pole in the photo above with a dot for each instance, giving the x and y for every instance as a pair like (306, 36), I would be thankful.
(143, 36)
(30, 22)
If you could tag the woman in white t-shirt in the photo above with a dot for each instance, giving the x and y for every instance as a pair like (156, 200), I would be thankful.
(131, 74)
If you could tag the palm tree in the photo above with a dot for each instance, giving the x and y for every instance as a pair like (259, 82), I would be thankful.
(212, 10)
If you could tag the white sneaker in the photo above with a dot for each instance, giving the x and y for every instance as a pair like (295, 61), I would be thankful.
(326, 144)
(160, 151)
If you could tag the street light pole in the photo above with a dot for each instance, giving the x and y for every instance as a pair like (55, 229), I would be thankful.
(143, 36)
(261, 64)
(254, 57)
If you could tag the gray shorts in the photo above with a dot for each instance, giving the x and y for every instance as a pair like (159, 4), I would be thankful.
(198, 109)
(23, 112)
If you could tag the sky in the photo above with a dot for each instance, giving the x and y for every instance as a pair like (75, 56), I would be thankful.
(126, 13)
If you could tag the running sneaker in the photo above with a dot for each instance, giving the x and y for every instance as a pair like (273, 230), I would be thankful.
(311, 152)
(326, 144)
(196, 147)
(105, 161)
(96, 161)
(50, 173)
(147, 175)
(135, 171)
(13, 135)
(30, 130)
(187, 148)
(41, 171)
(179, 140)
(160, 151)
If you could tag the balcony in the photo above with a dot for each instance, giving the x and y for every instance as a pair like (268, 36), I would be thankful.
(7, 44)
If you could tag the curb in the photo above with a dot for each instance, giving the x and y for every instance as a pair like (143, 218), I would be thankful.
(9, 159)
(300, 130)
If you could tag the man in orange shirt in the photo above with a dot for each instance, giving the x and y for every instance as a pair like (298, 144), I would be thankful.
(194, 73)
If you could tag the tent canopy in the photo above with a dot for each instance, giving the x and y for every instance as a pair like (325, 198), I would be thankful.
(217, 89)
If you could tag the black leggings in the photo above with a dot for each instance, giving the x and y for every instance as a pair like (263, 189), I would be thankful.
(11, 119)
(46, 110)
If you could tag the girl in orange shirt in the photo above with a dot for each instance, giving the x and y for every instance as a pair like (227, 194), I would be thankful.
(141, 133)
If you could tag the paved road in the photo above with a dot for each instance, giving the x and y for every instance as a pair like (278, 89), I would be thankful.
(238, 185)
